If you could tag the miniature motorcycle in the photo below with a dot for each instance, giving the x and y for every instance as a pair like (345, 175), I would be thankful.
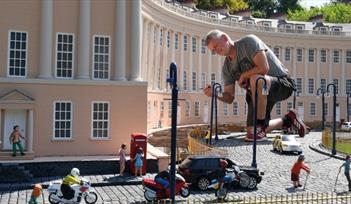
(232, 176)
(154, 191)
(80, 191)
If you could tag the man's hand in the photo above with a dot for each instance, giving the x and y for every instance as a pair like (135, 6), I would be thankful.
(208, 91)
(243, 82)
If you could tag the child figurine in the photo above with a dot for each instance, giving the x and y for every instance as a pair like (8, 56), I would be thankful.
(138, 161)
(295, 170)
(35, 194)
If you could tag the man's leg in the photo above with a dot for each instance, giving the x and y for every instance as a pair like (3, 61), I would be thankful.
(262, 99)
(348, 179)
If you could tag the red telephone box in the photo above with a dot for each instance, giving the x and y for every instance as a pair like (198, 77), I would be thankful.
(138, 140)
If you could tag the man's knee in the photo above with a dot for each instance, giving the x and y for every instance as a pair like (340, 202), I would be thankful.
(254, 78)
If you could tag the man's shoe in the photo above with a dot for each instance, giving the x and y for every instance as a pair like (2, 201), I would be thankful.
(23, 154)
(13, 155)
(260, 134)
(296, 123)
(299, 185)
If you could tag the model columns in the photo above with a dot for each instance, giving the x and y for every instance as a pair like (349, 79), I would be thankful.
(120, 42)
(84, 39)
(30, 131)
(135, 40)
(46, 29)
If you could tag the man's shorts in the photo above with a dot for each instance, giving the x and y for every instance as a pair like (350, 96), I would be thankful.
(281, 89)
(294, 177)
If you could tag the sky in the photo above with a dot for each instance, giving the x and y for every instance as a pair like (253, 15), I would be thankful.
(315, 3)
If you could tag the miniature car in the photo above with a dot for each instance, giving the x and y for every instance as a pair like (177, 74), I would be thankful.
(286, 143)
(200, 170)
(346, 126)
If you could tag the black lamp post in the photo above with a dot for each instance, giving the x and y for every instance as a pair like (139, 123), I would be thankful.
(172, 80)
(264, 92)
(334, 115)
(216, 88)
(322, 91)
(347, 107)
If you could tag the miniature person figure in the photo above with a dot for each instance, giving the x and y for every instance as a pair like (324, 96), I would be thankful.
(247, 60)
(71, 179)
(346, 166)
(122, 159)
(208, 135)
(138, 161)
(15, 140)
(163, 178)
(37, 190)
(295, 170)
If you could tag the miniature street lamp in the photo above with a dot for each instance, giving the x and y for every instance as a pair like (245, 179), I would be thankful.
(264, 92)
(321, 91)
(334, 115)
(216, 88)
(172, 80)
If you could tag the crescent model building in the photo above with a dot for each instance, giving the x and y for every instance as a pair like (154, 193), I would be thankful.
(79, 77)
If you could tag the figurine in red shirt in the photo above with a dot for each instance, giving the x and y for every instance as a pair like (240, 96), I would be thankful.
(296, 169)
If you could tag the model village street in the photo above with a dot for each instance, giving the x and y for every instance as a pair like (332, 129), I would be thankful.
(276, 180)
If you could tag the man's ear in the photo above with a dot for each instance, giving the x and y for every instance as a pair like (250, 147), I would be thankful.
(224, 37)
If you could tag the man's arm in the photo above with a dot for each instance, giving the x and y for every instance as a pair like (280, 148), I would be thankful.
(261, 67)
(227, 95)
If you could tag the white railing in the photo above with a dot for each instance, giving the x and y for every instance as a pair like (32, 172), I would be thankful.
(227, 22)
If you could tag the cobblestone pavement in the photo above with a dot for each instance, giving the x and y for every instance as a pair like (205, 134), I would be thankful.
(276, 180)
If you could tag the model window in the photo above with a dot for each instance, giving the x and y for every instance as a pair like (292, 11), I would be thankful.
(193, 44)
(348, 86)
(326, 109)
(17, 55)
(100, 119)
(336, 56)
(62, 120)
(161, 37)
(289, 106)
(225, 109)
(185, 83)
(168, 39)
(213, 78)
(336, 83)
(299, 85)
(278, 108)
(310, 55)
(348, 56)
(176, 41)
(101, 63)
(312, 109)
(310, 86)
(203, 79)
(187, 108)
(185, 42)
(64, 55)
(159, 81)
(299, 54)
(276, 51)
(194, 81)
(169, 109)
(287, 54)
(197, 109)
(323, 56)
(203, 46)
(235, 108)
